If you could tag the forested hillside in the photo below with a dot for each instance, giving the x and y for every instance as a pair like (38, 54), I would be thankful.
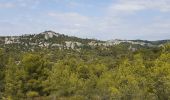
(52, 66)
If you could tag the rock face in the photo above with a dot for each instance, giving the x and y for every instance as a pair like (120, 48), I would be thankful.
(116, 42)
(72, 45)
(8, 41)
(11, 40)
(50, 34)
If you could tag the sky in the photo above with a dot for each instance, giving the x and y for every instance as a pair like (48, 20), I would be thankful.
(99, 19)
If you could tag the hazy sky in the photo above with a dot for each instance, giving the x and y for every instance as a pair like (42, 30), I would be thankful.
(101, 19)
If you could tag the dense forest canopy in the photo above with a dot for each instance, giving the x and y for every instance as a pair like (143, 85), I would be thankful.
(118, 72)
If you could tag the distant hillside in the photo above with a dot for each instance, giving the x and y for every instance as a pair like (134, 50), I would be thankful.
(50, 39)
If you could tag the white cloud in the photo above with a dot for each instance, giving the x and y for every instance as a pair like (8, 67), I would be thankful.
(127, 7)
(7, 5)
(20, 4)
(70, 18)
(69, 22)
(137, 5)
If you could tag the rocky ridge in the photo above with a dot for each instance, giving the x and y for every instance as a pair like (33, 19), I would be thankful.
(50, 39)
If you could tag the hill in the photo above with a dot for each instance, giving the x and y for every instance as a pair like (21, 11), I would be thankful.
(50, 39)
(53, 66)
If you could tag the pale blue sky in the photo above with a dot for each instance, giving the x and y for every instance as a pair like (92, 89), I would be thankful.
(101, 19)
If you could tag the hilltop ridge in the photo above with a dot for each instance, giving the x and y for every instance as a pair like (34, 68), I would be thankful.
(51, 39)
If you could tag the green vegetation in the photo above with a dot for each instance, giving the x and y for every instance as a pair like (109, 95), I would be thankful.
(93, 73)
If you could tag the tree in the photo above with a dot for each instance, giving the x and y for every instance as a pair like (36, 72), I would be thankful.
(3, 61)
(161, 77)
(12, 80)
(36, 70)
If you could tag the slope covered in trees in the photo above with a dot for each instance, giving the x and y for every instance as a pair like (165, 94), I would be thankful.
(116, 72)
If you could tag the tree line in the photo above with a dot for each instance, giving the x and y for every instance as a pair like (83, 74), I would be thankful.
(92, 74)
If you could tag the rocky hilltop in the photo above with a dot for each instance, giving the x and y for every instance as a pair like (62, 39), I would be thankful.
(51, 39)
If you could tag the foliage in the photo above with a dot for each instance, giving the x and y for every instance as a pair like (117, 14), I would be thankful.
(115, 73)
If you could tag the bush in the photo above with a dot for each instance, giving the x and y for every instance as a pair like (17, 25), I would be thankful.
(32, 94)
